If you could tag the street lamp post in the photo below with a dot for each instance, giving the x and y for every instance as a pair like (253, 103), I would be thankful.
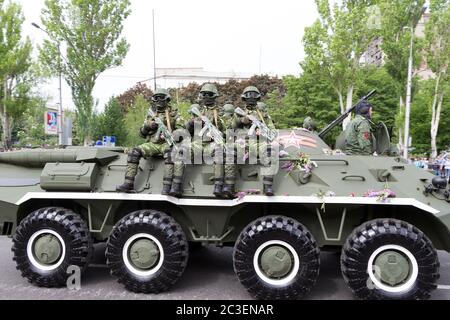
(408, 94)
(60, 117)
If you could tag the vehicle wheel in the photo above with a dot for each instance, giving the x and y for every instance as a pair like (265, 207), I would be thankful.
(276, 257)
(147, 251)
(389, 259)
(47, 242)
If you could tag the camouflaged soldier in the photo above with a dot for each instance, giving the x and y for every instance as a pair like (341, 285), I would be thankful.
(309, 124)
(358, 135)
(156, 146)
(207, 98)
(229, 168)
(251, 97)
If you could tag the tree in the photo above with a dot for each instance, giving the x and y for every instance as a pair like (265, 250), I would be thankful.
(397, 17)
(30, 129)
(134, 120)
(437, 34)
(335, 43)
(15, 68)
(110, 122)
(128, 98)
(89, 30)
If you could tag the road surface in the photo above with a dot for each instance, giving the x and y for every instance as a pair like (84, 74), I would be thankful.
(209, 275)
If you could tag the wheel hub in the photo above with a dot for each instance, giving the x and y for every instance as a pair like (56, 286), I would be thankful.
(276, 262)
(47, 249)
(392, 267)
(144, 254)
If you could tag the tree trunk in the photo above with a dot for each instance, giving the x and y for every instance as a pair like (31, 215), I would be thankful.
(349, 104)
(6, 130)
(400, 128)
(341, 102)
(435, 116)
(435, 126)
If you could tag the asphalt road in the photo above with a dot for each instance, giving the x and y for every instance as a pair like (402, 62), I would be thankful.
(209, 275)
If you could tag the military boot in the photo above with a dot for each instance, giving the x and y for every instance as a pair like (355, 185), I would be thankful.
(268, 186)
(230, 178)
(132, 168)
(168, 172)
(177, 183)
(127, 186)
(218, 187)
(218, 180)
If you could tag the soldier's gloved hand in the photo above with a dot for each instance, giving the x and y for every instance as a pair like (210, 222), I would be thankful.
(153, 126)
(245, 120)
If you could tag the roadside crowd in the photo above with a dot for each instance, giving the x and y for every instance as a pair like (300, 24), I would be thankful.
(440, 166)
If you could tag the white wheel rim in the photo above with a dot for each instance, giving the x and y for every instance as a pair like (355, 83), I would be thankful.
(30, 252)
(276, 282)
(128, 263)
(376, 279)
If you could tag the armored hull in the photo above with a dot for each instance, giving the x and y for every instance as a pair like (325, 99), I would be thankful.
(381, 212)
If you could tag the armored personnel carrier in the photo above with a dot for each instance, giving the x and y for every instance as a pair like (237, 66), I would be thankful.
(388, 219)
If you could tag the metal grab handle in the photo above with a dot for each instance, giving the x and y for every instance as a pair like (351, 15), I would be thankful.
(359, 177)
(331, 160)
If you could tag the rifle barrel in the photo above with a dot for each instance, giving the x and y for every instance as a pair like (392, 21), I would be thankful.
(342, 117)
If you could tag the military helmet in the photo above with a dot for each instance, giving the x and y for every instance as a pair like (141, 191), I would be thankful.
(210, 88)
(309, 124)
(251, 92)
(228, 109)
(161, 94)
(363, 109)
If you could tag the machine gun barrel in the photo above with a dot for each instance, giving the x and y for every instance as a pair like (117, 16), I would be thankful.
(342, 117)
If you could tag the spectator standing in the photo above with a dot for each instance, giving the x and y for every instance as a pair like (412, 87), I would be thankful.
(447, 166)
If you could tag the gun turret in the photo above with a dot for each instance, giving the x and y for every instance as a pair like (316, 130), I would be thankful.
(342, 117)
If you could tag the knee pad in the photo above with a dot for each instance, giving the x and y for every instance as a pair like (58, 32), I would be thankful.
(135, 156)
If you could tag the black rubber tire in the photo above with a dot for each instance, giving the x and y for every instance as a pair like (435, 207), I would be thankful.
(77, 239)
(370, 236)
(276, 228)
(172, 238)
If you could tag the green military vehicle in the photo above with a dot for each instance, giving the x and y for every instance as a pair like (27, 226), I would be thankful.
(388, 219)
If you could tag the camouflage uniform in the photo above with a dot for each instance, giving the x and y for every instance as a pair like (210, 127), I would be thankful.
(251, 96)
(156, 146)
(207, 97)
(309, 124)
(358, 137)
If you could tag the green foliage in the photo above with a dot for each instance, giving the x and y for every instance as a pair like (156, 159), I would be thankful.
(134, 120)
(16, 76)
(396, 16)
(335, 43)
(421, 120)
(128, 98)
(110, 122)
(183, 108)
(385, 101)
(88, 31)
(437, 45)
(30, 130)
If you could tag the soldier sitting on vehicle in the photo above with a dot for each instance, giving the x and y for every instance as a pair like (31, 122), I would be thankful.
(210, 113)
(358, 135)
(251, 96)
(157, 146)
